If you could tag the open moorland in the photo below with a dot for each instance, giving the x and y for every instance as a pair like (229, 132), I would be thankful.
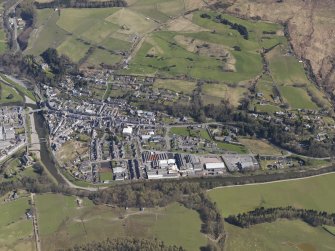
(309, 23)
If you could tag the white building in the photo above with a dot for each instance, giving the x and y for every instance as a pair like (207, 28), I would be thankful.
(127, 130)
(214, 166)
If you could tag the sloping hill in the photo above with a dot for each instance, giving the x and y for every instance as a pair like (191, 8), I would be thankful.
(311, 26)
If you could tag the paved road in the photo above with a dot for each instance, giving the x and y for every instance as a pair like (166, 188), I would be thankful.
(70, 184)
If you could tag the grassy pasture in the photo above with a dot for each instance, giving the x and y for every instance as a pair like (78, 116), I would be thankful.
(19, 88)
(184, 24)
(172, 7)
(73, 48)
(330, 229)
(78, 21)
(297, 97)
(3, 41)
(265, 87)
(165, 55)
(54, 210)
(48, 33)
(115, 44)
(158, 10)
(102, 56)
(282, 235)
(267, 108)
(63, 224)
(231, 147)
(186, 132)
(255, 30)
(285, 69)
(133, 22)
(16, 232)
(5, 91)
(317, 94)
(222, 91)
(260, 146)
(175, 85)
(76, 30)
(312, 193)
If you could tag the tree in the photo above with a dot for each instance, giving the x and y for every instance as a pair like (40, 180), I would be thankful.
(10, 96)
(38, 168)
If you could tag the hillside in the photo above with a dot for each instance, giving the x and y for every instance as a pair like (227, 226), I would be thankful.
(310, 25)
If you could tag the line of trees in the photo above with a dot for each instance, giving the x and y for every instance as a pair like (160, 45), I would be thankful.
(209, 214)
(127, 244)
(80, 4)
(235, 26)
(262, 215)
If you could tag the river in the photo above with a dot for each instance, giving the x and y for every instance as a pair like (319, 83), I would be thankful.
(46, 155)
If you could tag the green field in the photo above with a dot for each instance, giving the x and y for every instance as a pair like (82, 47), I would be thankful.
(297, 97)
(100, 56)
(178, 86)
(266, 108)
(105, 176)
(163, 55)
(16, 231)
(19, 88)
(187, 132)
(265, 87)
(3, 41)
(260, 147)
(286, 69)
(312, 193)
(282, 235)
(330, 229)
(158, 10)
(5, 91)
(231, 147)
(214, 93)
(196, 48)
(48, 33)
(76, 30)
(62, 223)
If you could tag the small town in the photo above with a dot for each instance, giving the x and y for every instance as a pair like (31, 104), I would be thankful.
(110, 139)
(167, 125)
